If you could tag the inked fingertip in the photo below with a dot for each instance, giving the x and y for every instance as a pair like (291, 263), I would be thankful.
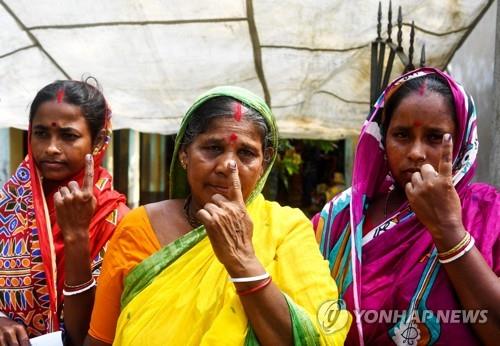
(232, 164)
(447, 137)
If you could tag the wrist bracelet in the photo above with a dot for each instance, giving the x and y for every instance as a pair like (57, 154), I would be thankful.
(78, 287)
(251, 278)
(460, 254)
(457, 248)
(453, 254)
(256, 288)
(84, 289)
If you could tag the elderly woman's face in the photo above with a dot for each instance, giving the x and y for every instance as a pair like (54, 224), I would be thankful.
(208, 155)
(415, 134)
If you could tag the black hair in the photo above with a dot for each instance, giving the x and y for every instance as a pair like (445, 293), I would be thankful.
(431, 82)
(223, 107)
(82, 94)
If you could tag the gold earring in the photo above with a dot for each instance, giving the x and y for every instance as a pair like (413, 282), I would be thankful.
(183, 164)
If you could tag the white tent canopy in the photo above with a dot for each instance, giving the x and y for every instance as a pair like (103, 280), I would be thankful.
(310, 58)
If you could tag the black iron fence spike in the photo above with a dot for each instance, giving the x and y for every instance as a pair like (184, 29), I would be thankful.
(379, 20)
(422, 56)
(400, 28)
(412, 39)
(389, 22)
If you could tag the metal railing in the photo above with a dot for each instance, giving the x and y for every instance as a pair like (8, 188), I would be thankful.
(381, 67)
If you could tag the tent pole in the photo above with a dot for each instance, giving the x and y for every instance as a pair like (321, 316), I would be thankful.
(134, 186)
(349, 149)
(4, 155)
(108, 156)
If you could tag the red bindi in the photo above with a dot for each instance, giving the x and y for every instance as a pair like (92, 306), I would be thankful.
(237, 111)
(233, 137)
(60, 95)
(53, 124)
(417, 124)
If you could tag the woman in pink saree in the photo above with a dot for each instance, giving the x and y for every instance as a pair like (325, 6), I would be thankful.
(413, 244)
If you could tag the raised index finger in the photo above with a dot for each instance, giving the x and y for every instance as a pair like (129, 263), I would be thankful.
(88, 179)
(445, 163)
(235, 193)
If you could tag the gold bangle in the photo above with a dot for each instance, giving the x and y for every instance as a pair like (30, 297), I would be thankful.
(91, 285)
(79, 286)
(456, 256)
(460, 244)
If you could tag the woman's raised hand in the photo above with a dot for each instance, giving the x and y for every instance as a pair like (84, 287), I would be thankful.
(230, 228)
(75, 206)
(433, 197)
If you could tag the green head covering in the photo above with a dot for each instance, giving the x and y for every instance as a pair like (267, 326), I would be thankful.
(178, 181)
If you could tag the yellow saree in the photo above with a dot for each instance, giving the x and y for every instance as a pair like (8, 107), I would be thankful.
(192, 301)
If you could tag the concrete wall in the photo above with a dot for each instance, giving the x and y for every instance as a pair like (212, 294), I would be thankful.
(495, 152)
(473, 66)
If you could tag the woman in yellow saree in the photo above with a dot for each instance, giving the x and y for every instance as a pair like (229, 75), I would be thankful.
(217, 264)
